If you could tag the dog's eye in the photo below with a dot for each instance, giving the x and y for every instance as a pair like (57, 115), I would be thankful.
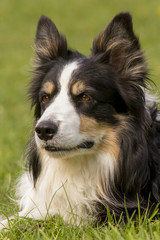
(86, 98)
(45, 99)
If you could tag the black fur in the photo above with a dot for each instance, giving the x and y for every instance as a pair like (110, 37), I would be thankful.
(114, 74)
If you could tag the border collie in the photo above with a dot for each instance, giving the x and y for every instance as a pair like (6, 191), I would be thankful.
(96, 138)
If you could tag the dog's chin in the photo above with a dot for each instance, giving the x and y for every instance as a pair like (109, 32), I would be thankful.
(61, 152)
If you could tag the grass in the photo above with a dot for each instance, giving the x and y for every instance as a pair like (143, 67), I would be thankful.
(81, 21)
(143, 228)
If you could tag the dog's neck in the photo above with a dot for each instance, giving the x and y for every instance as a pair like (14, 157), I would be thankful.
(76, 168)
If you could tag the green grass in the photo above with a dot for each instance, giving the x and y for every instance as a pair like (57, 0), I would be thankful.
(81, 21)
(55, 228)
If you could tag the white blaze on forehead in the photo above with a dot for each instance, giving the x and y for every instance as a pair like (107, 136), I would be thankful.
(61, 106)
(66, 76)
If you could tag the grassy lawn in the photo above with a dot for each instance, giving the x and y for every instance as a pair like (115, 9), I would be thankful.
(80, 21)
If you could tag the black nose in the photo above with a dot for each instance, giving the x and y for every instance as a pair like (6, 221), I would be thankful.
(46, 130)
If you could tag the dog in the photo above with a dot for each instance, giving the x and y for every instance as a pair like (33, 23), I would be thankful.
(96, 136)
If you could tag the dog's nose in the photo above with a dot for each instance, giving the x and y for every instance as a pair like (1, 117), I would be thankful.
(46, 130)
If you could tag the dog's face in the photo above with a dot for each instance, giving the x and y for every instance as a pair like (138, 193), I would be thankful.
(78, 107)
(81, 101)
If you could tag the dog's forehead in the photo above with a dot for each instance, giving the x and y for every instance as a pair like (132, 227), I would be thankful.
(76, 75)
(66, 75)
(59, 76)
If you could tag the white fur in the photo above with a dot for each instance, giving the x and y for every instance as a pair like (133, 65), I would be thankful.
(65, 186)
(151, 101)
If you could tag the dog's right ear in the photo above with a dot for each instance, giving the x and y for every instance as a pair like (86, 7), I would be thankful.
(49, 44)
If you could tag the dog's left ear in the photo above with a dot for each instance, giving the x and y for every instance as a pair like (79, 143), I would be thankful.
(118, 46)
(49, 43)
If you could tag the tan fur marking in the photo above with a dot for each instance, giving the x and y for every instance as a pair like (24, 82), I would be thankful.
(88, 125)
(42, 50)
(48, 87)
(118, 44)
(41, 151)
(101, 41)
(101, 186)
(109, 142)
(56, 45)
(78, 88)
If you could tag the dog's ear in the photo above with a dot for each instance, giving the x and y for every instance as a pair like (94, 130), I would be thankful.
(49, 44)
(118, 46)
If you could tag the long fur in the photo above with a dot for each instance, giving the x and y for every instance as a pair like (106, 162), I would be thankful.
(101, 146)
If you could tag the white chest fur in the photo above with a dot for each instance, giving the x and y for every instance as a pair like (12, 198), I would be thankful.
(65, 186)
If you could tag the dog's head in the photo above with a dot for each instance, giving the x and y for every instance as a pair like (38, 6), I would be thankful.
(80, 102)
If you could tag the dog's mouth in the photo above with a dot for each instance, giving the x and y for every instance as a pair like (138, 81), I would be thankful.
(84, 145)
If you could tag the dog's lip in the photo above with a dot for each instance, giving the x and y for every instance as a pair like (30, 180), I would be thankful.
(84, 145)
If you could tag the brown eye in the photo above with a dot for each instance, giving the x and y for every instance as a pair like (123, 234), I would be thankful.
(45, 99)
(86, 98)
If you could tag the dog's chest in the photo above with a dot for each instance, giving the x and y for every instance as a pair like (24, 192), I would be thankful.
(64, 188)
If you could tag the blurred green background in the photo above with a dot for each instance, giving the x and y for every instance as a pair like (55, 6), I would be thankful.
(80, 21)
